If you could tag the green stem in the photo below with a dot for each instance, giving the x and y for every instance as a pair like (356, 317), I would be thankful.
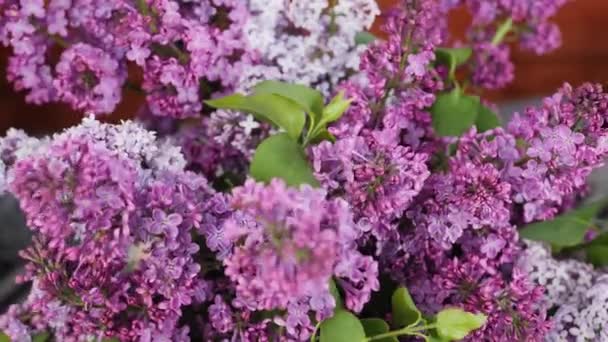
(314, 332)
(60, 41)
(502, 31)
(144, 9)
(134, 87)
(391, 83)
(405, 331)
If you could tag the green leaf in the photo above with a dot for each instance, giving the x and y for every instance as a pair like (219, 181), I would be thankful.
(377, 326)
(4, 337)
(456, 324)
(310, 100)
(322, 135)
(486, 119)
(342, 327)
(454, 113)
(335, 108)
(597, 255)
(333, 289)
(566, 230)
(405, 313)
(364, 38)
(279, 156)
(41, 337)
(596, 251)
(332, 112)
(276, 109)
(453, 57)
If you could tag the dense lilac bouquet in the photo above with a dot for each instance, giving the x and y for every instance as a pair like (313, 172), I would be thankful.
(350, 188)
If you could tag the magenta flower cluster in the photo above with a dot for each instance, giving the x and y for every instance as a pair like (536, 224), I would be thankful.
(156, 231)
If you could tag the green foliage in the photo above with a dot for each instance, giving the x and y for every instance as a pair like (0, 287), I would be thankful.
(597, 254)
(287, 106)
(333, 289)
(364, 38)
(405, 313)
(342, 327)
(284, 104)
(596, 251)
(377, 326)
(486, 119)
(334, 109)
(273, 108)
(332, 112)
(4, 337)
(454, 113)
(41, 337)
(310, 100)
(279, 156)
(449, 324)
(566, 230)
(456, 324)
(453, 57)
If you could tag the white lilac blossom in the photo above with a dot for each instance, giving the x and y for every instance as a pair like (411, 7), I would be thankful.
(576, 293)
(307, 42)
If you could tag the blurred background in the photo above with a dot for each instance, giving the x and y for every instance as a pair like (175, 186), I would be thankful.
(582, 57)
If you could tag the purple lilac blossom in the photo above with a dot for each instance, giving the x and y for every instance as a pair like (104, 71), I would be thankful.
(295, 243)
(112, 237)
(131, 246)
(377, 176)
(193, 50)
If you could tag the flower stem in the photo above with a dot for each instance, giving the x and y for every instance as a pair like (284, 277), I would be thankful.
(405, 331)
(502, 31)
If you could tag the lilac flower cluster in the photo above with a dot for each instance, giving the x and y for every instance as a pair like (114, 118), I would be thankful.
(113, 216)
(146, 238)
(290, 245)
(495, 180)
(307, 42)
(187, 51)
(453, 240)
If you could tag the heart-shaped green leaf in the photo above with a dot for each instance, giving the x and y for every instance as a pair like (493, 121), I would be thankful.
(377, 326)
(486, 119)
(405, 312)
(566, 230)
(453, 57)
(279, 156)
(454, 113)
(342, 327)
(455, 324)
